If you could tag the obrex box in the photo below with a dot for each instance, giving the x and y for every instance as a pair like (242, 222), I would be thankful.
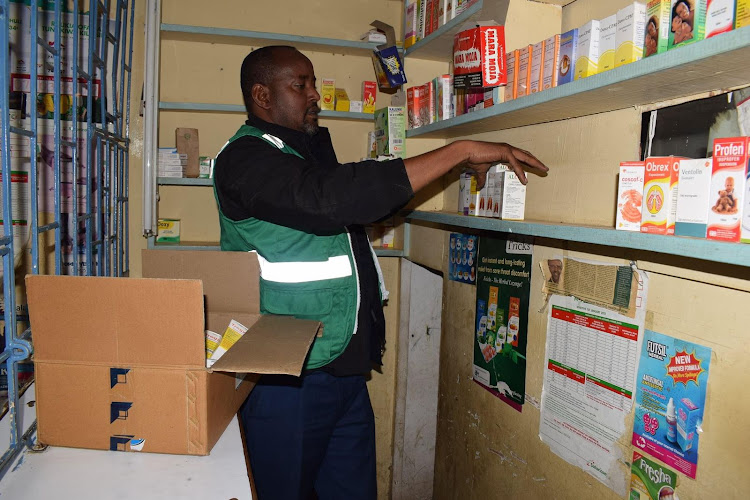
(660, 194)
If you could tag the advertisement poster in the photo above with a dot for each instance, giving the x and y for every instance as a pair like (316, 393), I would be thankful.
(463, 255)
(670, 398)
(503, 285)
(650, 481)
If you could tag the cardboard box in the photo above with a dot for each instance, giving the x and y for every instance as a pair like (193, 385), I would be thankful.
(719, 17)
(524, 70)
(566, 67)
(443, 97)
(692, 198)
(630, 196)
(687, 25)
(512, 66)
(342, 100)
(386, 60)
(742, 14)
(168, 231)
(414, 103)
(410, 36)
(514, 197)
(390, 131)
(537, 65)
(478, 60)
(587, 50)
(186, 140)
(729, 171)
(631, 27)
(551, 58)
(120, 363)
(607, 43)
(369, 95)
(658, 23)
(660, 187)
(328, 94)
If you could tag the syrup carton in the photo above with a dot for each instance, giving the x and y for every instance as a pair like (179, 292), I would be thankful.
(443, 97)
(656, 36)
(537, 65)
(524, 68)
(514, 197)
(660, 194)
(512, 65)
(342, 100)
(390, 131)
(464, 193)
(587, 50)
(414, 100)
(692, 198)
(551, 54)
(630, 196)
(719, 17)
(369, 94)
(607, 43)
(742, 14)
(729, 172)
(566, 65)
(688, 22)
(631, 26)
(328, 94)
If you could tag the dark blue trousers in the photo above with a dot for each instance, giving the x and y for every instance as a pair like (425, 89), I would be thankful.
(311, 435)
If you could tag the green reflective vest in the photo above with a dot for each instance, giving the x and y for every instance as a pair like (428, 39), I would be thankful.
(302, 274)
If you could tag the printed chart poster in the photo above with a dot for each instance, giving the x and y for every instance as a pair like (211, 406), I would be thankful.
(650, 481)
(503, 285)
(463, 256)
(670, 398)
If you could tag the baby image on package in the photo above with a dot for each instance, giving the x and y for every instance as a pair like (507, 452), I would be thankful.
(670, 400)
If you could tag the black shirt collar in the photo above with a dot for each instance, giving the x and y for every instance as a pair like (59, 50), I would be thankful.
(299, 141)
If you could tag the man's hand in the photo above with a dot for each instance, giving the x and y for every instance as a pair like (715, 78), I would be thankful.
(475, 155)
(485, 154)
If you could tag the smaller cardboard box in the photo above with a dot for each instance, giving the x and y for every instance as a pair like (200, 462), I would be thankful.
(186, 140)
(120, 363)
(342, 100)
(168, 231)
(478, 56)
(386, 59)
(369, 95)
(328, 94)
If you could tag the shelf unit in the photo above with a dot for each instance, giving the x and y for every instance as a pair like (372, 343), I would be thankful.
(213, 245)
(438, 46)
(183, 181)
(240, 108)
(697, 248)
(716, 64)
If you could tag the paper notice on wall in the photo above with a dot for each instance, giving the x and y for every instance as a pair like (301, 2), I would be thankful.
(613, 286)
(670, 399)
(589, 383)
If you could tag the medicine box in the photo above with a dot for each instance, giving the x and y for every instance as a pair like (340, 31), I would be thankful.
(478, 56)
(512, 64)
(692, 198)
(658, 24)
(660, 194)
(607, 45)
(729, 171)
(128, 371)
(524, 68)
(551, 55)
(369, 95)
(566, 65)
(328, 94)
(464, 193)
(514, 197)
(631, 26)
(168, 231)
(537, 66)
(742, 14)
(688, 22)
(587, 50)
(630, 196)
(390, 131)
(342, 100)
(443, 97)
(719, 17)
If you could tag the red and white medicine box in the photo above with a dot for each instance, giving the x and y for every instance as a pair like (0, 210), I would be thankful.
(479, 56)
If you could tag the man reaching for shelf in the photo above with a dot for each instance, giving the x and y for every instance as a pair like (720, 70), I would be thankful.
(282, 192)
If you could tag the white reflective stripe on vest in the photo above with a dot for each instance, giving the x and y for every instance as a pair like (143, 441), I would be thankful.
(302, 272)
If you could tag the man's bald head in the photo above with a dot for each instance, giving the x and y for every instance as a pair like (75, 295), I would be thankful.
(260, 66)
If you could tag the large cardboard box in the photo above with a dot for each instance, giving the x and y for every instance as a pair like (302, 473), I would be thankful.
(120, 363)
(479, 56)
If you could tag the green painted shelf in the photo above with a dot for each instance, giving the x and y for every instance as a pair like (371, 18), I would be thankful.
(181, 181)
(716, 64)
(239, 108)
(715, 251)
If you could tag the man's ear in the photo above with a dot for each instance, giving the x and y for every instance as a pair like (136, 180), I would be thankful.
(261, 96)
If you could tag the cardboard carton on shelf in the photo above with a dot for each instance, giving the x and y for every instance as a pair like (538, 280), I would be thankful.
(120, 363)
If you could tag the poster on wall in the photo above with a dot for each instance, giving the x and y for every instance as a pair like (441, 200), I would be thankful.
(462, 261)
(670, 399)
(502, 314)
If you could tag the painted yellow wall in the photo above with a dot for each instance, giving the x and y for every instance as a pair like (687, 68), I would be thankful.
(487, 450)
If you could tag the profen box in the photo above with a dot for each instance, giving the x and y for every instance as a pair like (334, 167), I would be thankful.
(120, 363)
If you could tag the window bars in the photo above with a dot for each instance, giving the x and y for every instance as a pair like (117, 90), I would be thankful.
(64, 115)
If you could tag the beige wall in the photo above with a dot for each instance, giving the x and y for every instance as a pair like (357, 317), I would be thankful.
(487, 450)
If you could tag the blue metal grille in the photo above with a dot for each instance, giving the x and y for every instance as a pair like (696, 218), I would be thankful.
(64, 114)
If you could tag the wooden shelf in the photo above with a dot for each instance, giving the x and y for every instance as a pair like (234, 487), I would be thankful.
(183, 181)
(207, 34)
(715, 251)
(716, 64)
(239, 108)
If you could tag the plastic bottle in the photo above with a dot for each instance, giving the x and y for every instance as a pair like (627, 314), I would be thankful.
(671, 422)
